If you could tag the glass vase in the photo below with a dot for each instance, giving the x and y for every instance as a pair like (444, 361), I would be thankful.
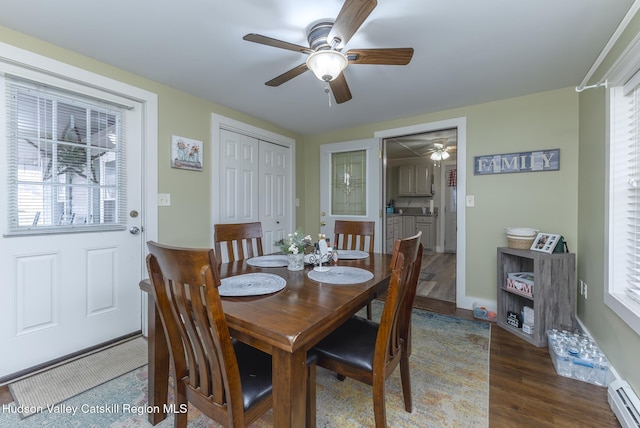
(296, 261)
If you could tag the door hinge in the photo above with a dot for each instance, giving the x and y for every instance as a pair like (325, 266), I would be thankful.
(379, 154)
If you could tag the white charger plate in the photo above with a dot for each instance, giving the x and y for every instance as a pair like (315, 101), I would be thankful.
(251, 284)
(352, 254)
(276, 260)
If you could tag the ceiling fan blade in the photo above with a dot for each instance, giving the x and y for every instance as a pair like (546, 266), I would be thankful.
(391, 56)
(264, 40)
(287, 75)
(350, 18)
(340, 89)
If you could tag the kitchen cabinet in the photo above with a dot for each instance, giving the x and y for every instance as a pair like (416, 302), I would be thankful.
(414, 180)
(427, 225)
(393, 232)
(553, 296)
(408, 226)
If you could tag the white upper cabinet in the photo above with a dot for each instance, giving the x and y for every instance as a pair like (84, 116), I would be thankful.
(414, 180)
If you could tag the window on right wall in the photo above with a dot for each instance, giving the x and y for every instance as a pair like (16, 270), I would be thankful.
(622, 291)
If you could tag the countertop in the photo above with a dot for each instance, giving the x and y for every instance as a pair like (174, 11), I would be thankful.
(412, 212)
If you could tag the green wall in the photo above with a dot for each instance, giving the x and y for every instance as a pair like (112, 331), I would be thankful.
(544, 200)
(179, 113)
(619, 342)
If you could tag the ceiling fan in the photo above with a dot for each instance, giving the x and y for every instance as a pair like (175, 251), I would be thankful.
(326, 41)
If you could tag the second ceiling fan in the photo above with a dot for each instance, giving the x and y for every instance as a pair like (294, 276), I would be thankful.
(326, 41)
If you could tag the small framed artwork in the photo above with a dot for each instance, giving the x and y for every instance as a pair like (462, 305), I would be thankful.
(186, 153)
(545, 242)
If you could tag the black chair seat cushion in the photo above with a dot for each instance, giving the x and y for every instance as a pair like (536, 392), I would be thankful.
(255, 373)
(353, 343)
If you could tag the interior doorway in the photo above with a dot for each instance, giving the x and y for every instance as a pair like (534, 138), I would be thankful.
(420, 193)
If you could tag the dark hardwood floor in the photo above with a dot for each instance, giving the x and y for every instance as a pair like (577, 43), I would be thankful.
(524, 390)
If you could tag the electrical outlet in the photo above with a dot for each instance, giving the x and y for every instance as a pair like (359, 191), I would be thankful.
(585, 291)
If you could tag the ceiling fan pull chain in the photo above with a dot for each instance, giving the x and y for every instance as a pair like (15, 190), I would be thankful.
(328, 92)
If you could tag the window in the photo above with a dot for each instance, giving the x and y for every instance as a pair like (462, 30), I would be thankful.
(65, 163)
(622, 294)
(348, 184)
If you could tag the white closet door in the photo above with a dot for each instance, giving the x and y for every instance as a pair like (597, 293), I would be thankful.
(275, 193)
(239, 165)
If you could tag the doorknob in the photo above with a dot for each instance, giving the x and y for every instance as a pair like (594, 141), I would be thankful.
(322, 223)
(134, 230)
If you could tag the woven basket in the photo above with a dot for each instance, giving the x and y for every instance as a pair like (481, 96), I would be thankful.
(521, 243)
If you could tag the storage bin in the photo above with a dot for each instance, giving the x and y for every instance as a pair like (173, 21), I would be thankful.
(484, 312)
(521, 237)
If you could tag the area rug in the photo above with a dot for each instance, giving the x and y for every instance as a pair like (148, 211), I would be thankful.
(449, 376)
(45, 390)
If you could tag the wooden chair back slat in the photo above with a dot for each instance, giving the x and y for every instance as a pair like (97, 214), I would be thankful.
(354, 235)
(240, 241)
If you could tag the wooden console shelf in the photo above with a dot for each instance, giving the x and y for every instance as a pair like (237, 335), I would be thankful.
(554, 291)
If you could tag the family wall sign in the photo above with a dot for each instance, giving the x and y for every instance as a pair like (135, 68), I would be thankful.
(540, 160)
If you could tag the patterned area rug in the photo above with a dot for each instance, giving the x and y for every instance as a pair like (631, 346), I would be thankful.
(449, 376)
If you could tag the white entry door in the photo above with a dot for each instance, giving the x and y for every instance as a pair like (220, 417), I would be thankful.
(70, 280)
(256, 185)
(350, 185)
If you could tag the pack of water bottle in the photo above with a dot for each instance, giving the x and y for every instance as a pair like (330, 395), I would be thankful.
(577, 356)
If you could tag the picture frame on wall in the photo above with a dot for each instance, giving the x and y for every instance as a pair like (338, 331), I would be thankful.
(545, 242)
(186, 153)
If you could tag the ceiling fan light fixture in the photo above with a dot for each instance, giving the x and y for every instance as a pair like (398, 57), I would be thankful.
(327, 64)
(439, 155)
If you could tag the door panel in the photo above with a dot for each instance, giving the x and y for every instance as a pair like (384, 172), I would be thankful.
(335, 183)
(450, 210)
(70, 291)
(275, 195)
(239, 187)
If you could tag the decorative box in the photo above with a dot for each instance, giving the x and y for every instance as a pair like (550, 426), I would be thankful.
(520, 283)
(513, 319)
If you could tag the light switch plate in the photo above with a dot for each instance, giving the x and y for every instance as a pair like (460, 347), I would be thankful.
(164, 199)
(471, 201)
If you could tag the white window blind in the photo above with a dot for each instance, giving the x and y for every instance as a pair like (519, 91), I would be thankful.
(65, 163)
(624, 202)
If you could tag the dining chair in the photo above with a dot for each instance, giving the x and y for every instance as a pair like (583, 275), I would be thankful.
(228, 381)
(369, 352)
(353, 235)
(240, 240)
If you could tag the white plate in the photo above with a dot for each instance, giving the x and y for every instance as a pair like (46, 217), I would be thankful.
(251, 284)
(341, 275)
(352, 254)
(278, 260)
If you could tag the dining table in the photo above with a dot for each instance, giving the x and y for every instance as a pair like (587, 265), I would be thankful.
(285, 324)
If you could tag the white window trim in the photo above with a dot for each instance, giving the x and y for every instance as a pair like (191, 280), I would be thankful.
(623, 69)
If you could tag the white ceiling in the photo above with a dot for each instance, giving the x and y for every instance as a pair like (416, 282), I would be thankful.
(466, 51)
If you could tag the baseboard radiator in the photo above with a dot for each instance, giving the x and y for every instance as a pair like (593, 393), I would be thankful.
(624, 403)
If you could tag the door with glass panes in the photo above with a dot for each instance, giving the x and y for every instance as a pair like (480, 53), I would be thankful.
(350, 183)
(71, 251)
